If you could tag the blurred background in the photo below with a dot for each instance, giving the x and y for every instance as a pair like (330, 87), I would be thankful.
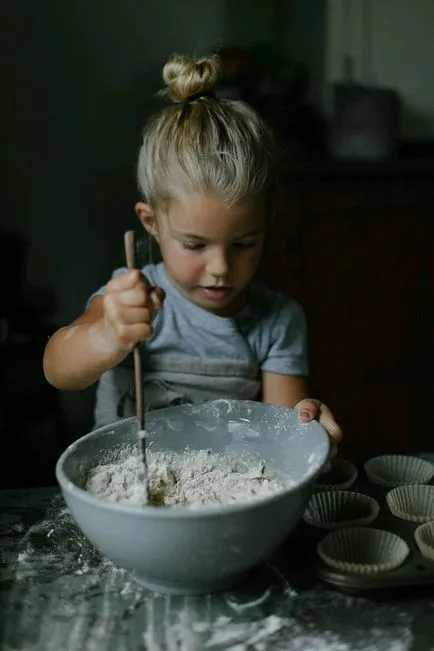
(347, 86)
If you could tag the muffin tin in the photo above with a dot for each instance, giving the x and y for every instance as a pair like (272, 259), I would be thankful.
(411, 562)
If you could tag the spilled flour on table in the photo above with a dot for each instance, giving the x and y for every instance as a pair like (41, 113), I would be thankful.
(295, 625)
(191, 478)
(65, 596)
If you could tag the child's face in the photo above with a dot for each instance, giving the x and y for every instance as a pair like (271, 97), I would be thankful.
(211, 252)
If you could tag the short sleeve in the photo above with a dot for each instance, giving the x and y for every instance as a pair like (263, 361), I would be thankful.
(287, 348)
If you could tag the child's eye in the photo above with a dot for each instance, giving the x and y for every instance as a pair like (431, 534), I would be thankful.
(190, 246)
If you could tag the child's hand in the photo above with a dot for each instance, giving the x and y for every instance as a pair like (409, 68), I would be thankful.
(310, 409)
(129, 305)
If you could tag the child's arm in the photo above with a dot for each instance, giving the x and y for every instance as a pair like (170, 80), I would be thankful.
(77, 355)
(280, 389)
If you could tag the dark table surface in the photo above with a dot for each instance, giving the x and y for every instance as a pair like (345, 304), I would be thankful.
(57, 593)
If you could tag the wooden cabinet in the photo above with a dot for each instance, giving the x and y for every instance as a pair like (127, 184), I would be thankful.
(357, 253)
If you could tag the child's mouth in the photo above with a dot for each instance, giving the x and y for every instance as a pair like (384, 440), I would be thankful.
(216, 293)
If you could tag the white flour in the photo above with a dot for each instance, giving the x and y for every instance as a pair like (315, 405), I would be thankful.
(193, 478)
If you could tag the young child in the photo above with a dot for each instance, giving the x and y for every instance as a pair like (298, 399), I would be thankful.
(206, 170)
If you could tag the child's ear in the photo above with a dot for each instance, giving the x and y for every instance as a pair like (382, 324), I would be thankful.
(147, 217)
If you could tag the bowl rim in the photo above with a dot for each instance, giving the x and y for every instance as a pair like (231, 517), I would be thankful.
(181, 511)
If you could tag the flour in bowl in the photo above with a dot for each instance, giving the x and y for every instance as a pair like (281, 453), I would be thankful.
(192, 478)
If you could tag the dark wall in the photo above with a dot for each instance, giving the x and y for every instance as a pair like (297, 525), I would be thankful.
(78, 78)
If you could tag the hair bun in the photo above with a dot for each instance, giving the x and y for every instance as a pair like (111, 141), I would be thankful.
(185, 77)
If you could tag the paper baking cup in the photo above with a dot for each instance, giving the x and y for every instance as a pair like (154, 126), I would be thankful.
(413, 503)
(424, 537)
(337, 509)
(398, 470)
(341, 476)
(360, 550)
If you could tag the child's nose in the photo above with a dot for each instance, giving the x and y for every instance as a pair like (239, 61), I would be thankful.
(218, 265)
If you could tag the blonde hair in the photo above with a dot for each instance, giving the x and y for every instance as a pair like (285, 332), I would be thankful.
(203, 144)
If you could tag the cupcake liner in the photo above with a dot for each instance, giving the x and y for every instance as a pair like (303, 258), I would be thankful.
(398, 470)
(424, 537)
(412, 503)
(337, 509)
(341, 476)
(360, 550)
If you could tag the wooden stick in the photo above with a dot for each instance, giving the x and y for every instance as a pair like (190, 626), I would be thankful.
(130, 256)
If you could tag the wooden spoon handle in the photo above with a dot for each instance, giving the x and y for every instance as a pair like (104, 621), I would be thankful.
(130, 249)
(130, 256)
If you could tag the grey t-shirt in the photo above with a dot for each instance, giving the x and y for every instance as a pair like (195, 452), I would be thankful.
(195, 355)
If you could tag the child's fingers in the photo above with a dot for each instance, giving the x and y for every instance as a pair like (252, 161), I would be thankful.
(135, 297)
(333, 451)
(140, 294)
(129, 305)
(332, 454)
(135, 315)
(329, 423)
(127, 336)
(124, 281)
(128, 280)
(310, 409)
(127, 309)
